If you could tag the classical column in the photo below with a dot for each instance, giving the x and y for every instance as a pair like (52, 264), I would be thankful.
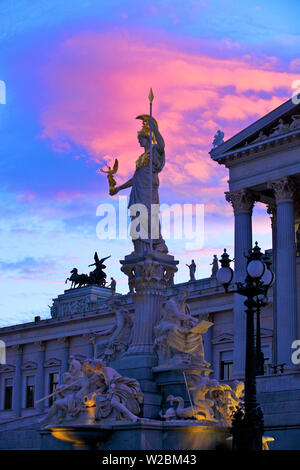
(242, 202)
(17, 391)
(65, 354)
(40, 378)
(286, 294)
(273, 213)
(152, 273)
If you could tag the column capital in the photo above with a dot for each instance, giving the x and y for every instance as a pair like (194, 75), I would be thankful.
(242, 200)
(65, 340)
(284, 189)
(90, 337)
(18, 348)
(41, 345)
(149, 273)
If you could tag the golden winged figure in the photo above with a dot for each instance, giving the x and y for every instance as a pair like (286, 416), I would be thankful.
(110, 172)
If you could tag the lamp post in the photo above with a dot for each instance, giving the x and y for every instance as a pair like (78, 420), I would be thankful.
(260, 302)
(247, 424)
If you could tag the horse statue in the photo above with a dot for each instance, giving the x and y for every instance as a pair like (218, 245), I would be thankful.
(96, 277)
(80, 279)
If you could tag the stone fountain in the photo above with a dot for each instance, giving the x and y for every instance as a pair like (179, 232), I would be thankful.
(148, 386)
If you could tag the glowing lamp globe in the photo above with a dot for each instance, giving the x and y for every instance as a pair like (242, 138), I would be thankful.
(256, 268)
(225, 275)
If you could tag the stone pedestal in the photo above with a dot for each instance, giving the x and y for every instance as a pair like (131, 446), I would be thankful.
(78, 300)
(149, 277)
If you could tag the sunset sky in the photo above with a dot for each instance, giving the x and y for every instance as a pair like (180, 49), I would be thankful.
(77, 73)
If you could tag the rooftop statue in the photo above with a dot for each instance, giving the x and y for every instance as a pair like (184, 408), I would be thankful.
(192, 268)
(215, 266)
(96, 277)
(218, 139)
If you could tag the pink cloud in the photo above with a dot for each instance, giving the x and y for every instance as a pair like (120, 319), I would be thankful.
(27, 196)
(98, 83)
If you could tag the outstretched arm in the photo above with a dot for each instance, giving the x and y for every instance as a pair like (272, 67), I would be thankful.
(126, 185)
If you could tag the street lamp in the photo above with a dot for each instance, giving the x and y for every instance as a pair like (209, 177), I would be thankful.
(261, 301)
(247, 424)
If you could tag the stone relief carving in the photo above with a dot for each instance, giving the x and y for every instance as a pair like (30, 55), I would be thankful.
(260, 138)
(211, 401)
(94, 385)
(71, 307)
(178, 335)
(280, 128)
(116, 339)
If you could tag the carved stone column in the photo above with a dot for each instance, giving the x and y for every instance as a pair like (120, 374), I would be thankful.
(17, 391)
(65, 354)
(272, 211)
(150, 275)
(242, 202)
(40, 378)
(286, 292)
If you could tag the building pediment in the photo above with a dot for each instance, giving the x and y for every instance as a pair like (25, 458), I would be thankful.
(7, 368)
(223, 338)
(281, 123)
(52, 362)
(30, 365)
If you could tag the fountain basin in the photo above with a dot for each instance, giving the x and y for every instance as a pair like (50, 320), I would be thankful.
(81, 436)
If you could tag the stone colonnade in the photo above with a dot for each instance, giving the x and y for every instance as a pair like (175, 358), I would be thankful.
(285, 321)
